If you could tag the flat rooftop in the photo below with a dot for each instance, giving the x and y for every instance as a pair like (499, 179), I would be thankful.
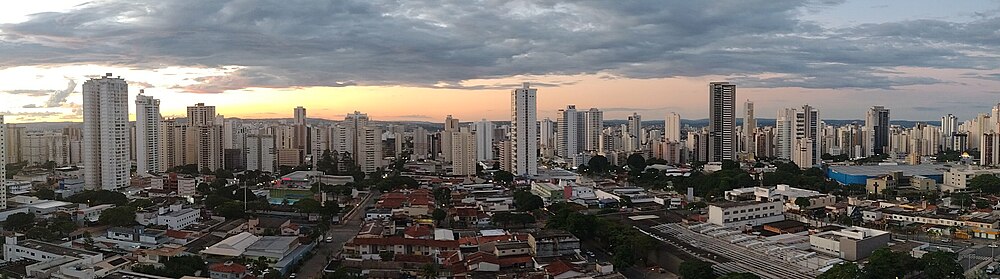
(55, 249)
(922, 169)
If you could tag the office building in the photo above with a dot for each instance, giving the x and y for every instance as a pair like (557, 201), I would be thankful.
(852, 244)
(147, 135)
(722, 121)
(877, 131)
(3, 164)
(524, 131)
(105, 133)
(745, 214)
(484, 140)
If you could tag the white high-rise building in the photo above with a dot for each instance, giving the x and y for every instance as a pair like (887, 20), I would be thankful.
(105, 133)
(567, 138)
(547, 137)
(784, 127)
(463, 151)
(450, 127)
(949, 127)
(484, 140)
(3, 164)
(369, 142)
(635, 131)
(672, 127)
(721, 121)
(524, 131)
(593, 122)
(420, 143)
(260, 152)
(749, 129)
(147, 134)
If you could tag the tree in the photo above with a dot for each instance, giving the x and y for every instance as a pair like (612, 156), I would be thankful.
(141, 203)
(740, 275)
(46, 194)
(526, 201)
(940, 264)
(985, 183)
(118, 216)
(308, 205)
(442, 196)
(429, 271)
(884, 263)
(19, 221)
(846, 270)
(99, 197)
(636, 163)
(231, 210)
(503, 176)
(598, 165)
(439, 214)
(802, 202)
(696, 270)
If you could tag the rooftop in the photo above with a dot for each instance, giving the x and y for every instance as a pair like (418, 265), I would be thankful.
(876, 170)
(55, 249)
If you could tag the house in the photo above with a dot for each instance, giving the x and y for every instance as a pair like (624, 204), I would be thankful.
(560, 269)
(227, 270)
(273, 226)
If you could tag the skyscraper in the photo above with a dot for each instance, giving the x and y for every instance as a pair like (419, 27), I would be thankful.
(147, 135)
(205, 137)
(484, 140)
(3, 163)
(672, 127)
(547, 137)
(105, 133)
(784, 126)
(949, 126)
(877, 131)
(450, 127)
(722, 121)
(260, 152)
(749, 129)
(567, 139)
(635, 131)
(300, 130)
(463, 151)
(524, 131)
(593, 122)
(809, 126)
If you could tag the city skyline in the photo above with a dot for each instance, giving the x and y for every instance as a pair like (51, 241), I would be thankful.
(840, 57)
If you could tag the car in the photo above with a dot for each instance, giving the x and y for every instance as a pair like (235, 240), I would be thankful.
(329, 239)
(946, 240)
(292, 276)
(992, 245)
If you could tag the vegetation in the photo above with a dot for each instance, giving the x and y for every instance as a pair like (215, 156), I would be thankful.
(504, 177)
(954, 155)
(696, 270)
(46, 194)
(525, 201)
(19, 222)
(175, 267)
(628, 245)
(835, 158)
(506, 219)
(118, 216)
(92, 198)
(987, 184)
(442, 196)
(883, 263)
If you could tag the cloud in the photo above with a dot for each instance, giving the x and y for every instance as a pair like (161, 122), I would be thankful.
(413, 116)
(29, 92)
(442, 44)
(30, 106)
(59, 97)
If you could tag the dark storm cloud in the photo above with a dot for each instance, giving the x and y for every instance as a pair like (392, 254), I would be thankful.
(442, 43)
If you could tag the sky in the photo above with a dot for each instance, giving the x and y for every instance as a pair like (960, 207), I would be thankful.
(423, 60)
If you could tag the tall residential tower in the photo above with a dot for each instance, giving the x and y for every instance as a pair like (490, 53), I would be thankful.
(721, 121)
(524, 131)
(147, 134)
(105, 133)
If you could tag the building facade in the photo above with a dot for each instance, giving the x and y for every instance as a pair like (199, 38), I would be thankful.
(105, 133)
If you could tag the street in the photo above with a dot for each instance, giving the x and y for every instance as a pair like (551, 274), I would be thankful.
(341, 233)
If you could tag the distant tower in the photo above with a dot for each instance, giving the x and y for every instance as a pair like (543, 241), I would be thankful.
(877, 131)
(147, 134)
(105, 133)
(3, 163)
(484, 140)
(672, 127)
(749, 129)
(524, 131)
(949, 126)
(722, 121)
(567, 136)
(635, 131)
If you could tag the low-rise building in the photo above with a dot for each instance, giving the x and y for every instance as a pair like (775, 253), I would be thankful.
(852, 244)
(553, 243)
(731, 214)
(957, 179)
(784, 193)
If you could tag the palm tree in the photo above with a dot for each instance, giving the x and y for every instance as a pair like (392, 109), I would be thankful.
(429, 271)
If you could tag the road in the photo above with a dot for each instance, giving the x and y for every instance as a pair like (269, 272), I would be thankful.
(349, 226)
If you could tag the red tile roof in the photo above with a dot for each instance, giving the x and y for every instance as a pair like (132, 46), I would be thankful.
(228, 267)
(418, 231)
(558, 267)
(512, 261)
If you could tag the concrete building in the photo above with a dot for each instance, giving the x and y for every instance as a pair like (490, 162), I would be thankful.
(568, 134)
(260, 152)
(553, 243)
(450, 127)
(147, 135)
(300, 130)
(524, 131)
(851, 244)
(744, 214)
(749, 129)
(52, 261)
(3, 164)
(876, 131)
(484, 140)
(783, 193)
(369, 142)
(39, 147)
(634, 130)
(105, 133)
(722, 121)
(463, 151)
(957, 179)
(207, 134)
(672, 127)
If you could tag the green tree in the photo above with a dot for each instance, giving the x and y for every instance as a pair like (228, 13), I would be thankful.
(636, 163)
(740, 275)
(429, 271)
(526, 201)
(92, 198)
(45, 193)
(308, 205)
(846, 270)
(696, 270)
(118, 216)
(598, 165)
(504, 177)
(985, 183)
(884, 263)
(940, 264)
(442, 196)
(19, 222)
(803, 203)
(231, 210)
(439, 214)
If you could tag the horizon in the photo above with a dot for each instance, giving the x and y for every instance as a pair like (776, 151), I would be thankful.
(920, 59)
